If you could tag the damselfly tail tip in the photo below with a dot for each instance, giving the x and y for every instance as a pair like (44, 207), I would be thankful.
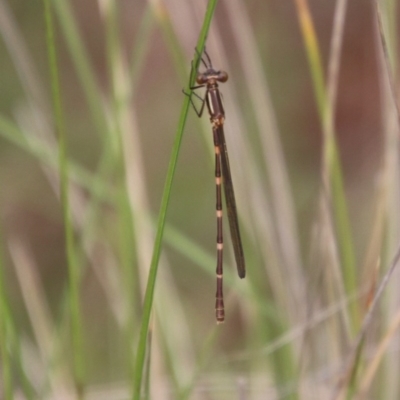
(242, 274)
(220, 313)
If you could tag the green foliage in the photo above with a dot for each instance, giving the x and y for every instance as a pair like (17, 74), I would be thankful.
(107, 264)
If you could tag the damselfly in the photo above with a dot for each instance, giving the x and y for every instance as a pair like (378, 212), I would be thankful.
(212, 98)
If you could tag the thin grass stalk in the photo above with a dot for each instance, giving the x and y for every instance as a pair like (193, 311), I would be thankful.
(297, 332)
(93, 96)
(5, 337)
(32, 293)
(171, 40)
(24, 67)
(30, 83)
(48, 157)
(283, 211)
(110, 161)
(331, 169)
(191, 250)
(174, 339)
(348, 385)
(44, 151)
(142, 234)
(37, 308)
(372, 368)
(83, 67)
(73, 268)
(115, 69)
(169, 353)
(131, 198)
(172, 350)
(141, 45)
(387, 41)
(126, 243)
(131, 147)
(388, 58)
(386, 13)
(147, 377)
(351, 362)
(335, 53)
(149, 295)
(390, 122)
(333, 177)
(27, 387)
(6, 366)
(206, 354)
(353, 375)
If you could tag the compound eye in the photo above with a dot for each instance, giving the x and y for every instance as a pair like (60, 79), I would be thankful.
(222, 76)
(201, 79)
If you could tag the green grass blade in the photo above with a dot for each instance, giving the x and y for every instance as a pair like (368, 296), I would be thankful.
(47, 156)
(148, 299)
(83, 67)
(331, 167)
(119, 106)
(6, 366)
(76, 324)
(141, 46)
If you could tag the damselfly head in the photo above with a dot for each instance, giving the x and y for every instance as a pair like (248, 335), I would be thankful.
(211, 75)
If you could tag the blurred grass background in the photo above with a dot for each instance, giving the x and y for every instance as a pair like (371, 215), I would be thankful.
(312, 132)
